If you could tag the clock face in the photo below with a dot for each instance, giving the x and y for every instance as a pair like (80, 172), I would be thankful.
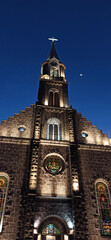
(53, 164)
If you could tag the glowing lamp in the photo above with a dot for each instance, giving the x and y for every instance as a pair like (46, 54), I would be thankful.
(75, 185)
(36, 223)
(35, 231)
(46, 102)
(65, 237)
(71, 231)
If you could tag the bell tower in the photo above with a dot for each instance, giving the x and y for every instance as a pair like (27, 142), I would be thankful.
(53, 88)
(51, 183)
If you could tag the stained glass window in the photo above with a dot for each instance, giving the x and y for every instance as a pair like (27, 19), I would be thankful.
(104, 207)
(51, 229)
(53, 164)
(3, 193)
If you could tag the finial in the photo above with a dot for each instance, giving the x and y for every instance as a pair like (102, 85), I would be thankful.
(53, 39)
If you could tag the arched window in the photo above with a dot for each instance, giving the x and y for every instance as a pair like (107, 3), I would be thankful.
(104, 207)
(51, 229)
(53, 129)
(54, 98)
(54, 72)
(4, 180)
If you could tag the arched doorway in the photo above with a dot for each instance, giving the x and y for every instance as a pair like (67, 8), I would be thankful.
(51, 232)
(53, 228)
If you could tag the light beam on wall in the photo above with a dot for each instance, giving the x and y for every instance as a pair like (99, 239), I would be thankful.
(75, 185)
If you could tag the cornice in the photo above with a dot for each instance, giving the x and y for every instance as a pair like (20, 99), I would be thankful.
(94, 147)
(10, 140)
(54, 143)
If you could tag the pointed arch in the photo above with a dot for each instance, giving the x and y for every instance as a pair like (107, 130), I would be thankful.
(104, 206)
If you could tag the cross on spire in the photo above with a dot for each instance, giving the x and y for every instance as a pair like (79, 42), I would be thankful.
(53, 53)
(53, 39)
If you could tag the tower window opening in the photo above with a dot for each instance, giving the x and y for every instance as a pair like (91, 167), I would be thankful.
(51, 98)
(54, 98)
(53, 129)
(54, 72)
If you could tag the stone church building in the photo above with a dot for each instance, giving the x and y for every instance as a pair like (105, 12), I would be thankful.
(55, 168)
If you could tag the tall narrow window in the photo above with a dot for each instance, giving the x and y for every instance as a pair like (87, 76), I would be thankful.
(54, 98)
(55, 132)
(104, 207)
(50, 131)
(53, 129)
(50, 98)
(4, 179)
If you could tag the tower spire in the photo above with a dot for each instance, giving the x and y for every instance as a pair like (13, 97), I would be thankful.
(53, 53)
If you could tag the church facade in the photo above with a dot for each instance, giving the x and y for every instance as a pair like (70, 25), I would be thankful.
(55, 173)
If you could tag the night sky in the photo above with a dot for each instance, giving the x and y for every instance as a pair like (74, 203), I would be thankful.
(83, 28)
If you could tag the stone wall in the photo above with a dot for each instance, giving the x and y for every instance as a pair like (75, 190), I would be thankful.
(26, 118)
(14, 160)
(54, 207)
(58, 184)
(95, 136)
(60, 114)
(94, 163)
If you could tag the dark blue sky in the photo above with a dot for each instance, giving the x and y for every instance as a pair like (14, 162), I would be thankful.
(83, 28)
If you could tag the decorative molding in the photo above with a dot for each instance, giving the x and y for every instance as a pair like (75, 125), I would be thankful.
(54, 143)
(54, 110)
(94, 147)
(10, 140)
(57, 84)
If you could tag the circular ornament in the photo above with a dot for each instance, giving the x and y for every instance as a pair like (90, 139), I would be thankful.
(101, 188)
(22, 129)
(53, 164)
(84, 134)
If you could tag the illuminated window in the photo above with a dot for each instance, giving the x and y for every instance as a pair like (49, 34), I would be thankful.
(4, 179)
(51, 229)
(104, 207)
(54, 98)
(54, 72)
(53, 129)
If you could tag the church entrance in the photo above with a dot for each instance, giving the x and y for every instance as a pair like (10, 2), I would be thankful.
(52, 228)
(51, 232)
